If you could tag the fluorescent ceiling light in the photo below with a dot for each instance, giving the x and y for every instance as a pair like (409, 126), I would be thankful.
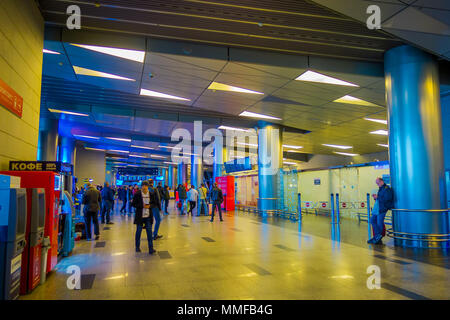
(248, 144)
(257, 115)
(352, 100)
(313, 76)
(150, 93)
(168, 162)
(376, 120)
(134, 55)
(134, 146)
(93, 73)
(232, 128)
(136, 156)
(68, 112)
(382, 145)
(346, 154)
(86, 137)
(381, 132)
(157, 156)
(50, 51)
(123, 151)
(168, 147)
(293, 147)
(94, 149)
(336, 146)
(119, 139)
(226, 87)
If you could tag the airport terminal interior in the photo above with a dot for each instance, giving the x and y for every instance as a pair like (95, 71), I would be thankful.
(273, 150)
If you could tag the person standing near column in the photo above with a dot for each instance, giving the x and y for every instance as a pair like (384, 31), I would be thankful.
(166, 198)
(155, 206)
(385, 200)
(107, 201)
(216, 199)
(202, 194)
(182, 195)
(91, 200)
(192, 197)
(144, 216)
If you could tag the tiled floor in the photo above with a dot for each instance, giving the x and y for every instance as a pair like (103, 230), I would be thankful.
(240, 259)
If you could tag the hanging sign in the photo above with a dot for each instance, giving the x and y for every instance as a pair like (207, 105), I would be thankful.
(10, 99)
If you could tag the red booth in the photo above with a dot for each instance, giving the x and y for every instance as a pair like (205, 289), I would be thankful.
(226, 183)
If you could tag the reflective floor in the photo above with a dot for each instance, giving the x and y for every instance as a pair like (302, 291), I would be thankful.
(246, 257)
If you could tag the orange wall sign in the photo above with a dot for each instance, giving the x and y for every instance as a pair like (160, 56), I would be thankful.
(10, 99)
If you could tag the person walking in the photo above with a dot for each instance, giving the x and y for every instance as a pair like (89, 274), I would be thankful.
(91, 200)
(129, 198)
(142, 201)
(182, 195)
(107, 201)
(123, 198)
(216, 199)
(192, 197)
(156, 208)
(385, 200)
(202, 204)
(166, 198)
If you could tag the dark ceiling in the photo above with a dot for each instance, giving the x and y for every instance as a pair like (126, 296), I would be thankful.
(289, 26)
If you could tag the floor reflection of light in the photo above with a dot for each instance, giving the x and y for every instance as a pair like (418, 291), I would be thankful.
(250, 274)
(117, 277)
(345, 276)
(118, 253)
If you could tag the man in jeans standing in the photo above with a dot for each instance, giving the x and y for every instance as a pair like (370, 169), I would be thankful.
(142, 201)
(182, 195)
(156, 208)
(216, 199)
(202, 194)
(385, 199)
(192, 197)
(107, 203)
(91, 201)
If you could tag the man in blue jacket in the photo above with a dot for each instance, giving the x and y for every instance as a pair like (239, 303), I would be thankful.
(107, 201)
(385, 199)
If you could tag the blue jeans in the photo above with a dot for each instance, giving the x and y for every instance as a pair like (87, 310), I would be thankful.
(165, 205)
(202, 204)
(147, 222)
(183, 205)
(157, 217)
(106, 209)
(91, 217)
(377, 221)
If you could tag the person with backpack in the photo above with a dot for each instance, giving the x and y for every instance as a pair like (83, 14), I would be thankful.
(216, 199)
(202, 204)
(385, 200)
(182, 195)
(144, 202)
(91, 200)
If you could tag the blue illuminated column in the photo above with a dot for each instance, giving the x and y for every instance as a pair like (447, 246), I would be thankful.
(180, 173)
(270, 163)
(164, 175)
(67, 150)
(48, 139)
(219, 151)
(170, 177)
(196, 170)
(415, 148)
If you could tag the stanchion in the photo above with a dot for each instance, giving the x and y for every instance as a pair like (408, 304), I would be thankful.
(299, 206)
(368, 215)
(338, 219)
(332, 208)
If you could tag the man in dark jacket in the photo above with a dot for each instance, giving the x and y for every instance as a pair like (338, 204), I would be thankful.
(165, 199)
(123, 198)
(107, 201)
(143, 200)
(91, 200)
(216, 199)
(156, 207)
(182, 195)
(385, 199)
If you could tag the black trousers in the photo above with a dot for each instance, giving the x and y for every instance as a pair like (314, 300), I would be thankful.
(90, 217)
(191, 206)
(124, 206)
(219, 208)
(106, 210)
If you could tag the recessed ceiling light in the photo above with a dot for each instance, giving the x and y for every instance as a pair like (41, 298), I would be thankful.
(291, 146)
(50, 51)
(383, 145)
(69, 112)
(123, 151)
(93, 73)
(150, 93)
(86, 137)
(226, 87)
(119, 139)
(94, 149)
(336, 146)
(381, 132)
(313, 76)
(376, 120)
(232, 128)
(134, 55)
(136, 156)
(134, 146)
(257, 115)
(352, 100)
(346, 154)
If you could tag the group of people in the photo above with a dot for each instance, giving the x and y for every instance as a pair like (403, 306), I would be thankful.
(199, 198)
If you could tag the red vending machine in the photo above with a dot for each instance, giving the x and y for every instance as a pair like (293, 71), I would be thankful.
(51, 183)
(226, 183)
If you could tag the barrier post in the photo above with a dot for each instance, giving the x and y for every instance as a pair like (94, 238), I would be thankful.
(332, 207)
(368, 215)
(338, 213)
(299, 206)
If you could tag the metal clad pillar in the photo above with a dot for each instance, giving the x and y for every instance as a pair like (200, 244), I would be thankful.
(170, 177)
(67, 150)
(48, 139)
(180, 173)
(270, 164)
(416, 148)
(219, 150)
(196, 170)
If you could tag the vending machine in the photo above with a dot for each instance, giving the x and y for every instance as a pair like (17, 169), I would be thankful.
(31, 256)
(226, 183)
(66, 225)
(13, 224)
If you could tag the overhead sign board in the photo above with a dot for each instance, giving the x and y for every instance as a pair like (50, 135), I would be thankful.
(55, 166)
(10, 99)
